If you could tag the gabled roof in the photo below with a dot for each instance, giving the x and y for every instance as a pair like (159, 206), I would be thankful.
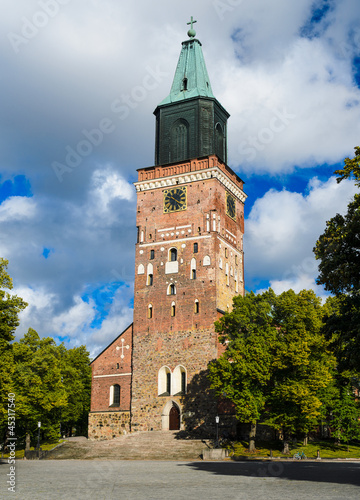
(191, 76)
(126, 329)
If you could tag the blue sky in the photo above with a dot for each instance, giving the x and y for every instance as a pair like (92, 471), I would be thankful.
(80, 73)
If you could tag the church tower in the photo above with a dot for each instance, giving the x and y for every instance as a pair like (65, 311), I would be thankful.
(189, 251)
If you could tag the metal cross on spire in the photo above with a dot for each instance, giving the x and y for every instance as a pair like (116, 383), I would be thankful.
(192, 32)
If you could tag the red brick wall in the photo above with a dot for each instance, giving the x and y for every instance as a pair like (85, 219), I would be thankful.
(105, 373)
(188, 339)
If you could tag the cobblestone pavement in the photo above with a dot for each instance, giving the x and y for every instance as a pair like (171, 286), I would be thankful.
(150, 480)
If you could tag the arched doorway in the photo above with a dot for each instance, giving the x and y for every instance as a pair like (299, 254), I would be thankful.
(174, 418)
(171, 417)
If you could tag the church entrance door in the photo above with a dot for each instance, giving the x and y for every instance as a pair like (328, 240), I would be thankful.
(174, 419)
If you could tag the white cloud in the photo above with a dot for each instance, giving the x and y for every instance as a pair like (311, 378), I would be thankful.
(107, 186)
(17, 208)
(282, 229)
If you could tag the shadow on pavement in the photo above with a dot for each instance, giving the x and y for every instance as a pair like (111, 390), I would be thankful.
(325, 472)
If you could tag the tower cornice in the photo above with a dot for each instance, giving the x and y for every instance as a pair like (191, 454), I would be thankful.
(190, 171)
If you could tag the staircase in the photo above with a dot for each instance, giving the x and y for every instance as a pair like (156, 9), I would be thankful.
(154, 445)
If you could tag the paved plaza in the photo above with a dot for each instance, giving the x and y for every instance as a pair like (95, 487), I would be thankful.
(157, 480)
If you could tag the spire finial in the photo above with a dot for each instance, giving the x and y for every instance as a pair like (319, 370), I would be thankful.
(191, 33)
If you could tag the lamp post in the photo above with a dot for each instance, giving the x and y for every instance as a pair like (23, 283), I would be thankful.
(38, 443)
(217, 419)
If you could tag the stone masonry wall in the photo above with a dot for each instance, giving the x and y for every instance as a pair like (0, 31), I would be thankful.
(108, 425)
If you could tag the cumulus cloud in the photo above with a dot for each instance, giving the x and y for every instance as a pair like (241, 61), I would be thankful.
(17, 208)
(282, 229)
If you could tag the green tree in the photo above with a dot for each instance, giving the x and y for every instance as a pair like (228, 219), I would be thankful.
(10, 307)
(76, 378)
(338, 251)
(243, 371)
(346, 414)
(276, 361)
(40, 393)
(302, 364)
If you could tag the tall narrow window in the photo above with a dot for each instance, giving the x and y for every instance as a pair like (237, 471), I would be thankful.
(226, 252)
(152, 254)
(196, 307)
(173, 309)
(115, 395)
(185, 84)
(150, 274)
(219, 142)
(183, 382)
(164, 381)
(172, 289)
(193, 269)
(150, 311)
(196, 247)
(179, 140)
(173, 254)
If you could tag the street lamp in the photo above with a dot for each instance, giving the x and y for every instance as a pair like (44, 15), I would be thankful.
(217, 419)
(38, 443)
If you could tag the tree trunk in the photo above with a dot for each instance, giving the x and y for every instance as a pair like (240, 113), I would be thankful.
(27, 442)
(286, 449)
(305, 442)
(252, 435)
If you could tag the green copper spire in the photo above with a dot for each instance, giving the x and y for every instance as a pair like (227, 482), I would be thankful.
(191, 77)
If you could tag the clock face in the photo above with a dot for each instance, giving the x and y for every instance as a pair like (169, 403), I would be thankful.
(230, 206)
(174, 199)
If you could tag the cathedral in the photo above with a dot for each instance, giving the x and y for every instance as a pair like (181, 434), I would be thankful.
(188, 266)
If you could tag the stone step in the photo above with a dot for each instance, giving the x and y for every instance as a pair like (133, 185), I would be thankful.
(153, 445)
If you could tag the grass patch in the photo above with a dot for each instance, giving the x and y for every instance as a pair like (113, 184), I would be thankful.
(19, 454)
(328, 449)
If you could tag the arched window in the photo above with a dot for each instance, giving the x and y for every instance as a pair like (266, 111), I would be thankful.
(196, 307)
(179, 140)
(219, 142)
(193, 269)
(150, 274)
(152, 254)
(141, 269)
(115, 395)
(172, 254)
(206, 261)
(179, 380)
(236, 282)
(173, 309)
(164, 381)
(171, 289)
(196, 247)
(150, 311)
